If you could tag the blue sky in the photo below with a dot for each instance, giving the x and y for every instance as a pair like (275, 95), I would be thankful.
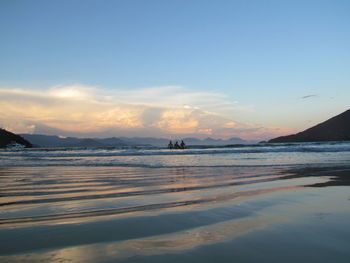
(252, 63)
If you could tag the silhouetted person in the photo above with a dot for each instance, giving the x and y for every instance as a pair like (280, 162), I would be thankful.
(182, 145)
(176, 145)
(170, 145)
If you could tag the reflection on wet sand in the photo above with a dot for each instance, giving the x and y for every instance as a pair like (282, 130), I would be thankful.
(177, 210)
(295, 209)
(145, 208)
(155, 245)
(48, 191)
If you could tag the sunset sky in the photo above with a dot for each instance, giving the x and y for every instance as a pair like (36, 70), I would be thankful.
(221, 69)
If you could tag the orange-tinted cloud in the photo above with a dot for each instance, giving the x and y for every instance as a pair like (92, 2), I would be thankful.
(79, 109)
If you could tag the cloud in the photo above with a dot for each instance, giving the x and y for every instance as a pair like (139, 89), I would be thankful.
(78, 92)
(308, 96)
(79, 110)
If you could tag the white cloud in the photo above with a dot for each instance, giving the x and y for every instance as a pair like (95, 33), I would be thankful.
(78, 91)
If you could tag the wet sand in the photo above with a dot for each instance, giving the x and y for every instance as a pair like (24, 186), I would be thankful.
(199, 214)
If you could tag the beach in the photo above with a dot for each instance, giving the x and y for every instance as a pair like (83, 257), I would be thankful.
(247, 204)
(174, 131)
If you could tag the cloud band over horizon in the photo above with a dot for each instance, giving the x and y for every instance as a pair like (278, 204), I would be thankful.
(168, 112)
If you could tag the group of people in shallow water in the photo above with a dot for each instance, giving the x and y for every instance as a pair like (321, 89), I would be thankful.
(176, 145)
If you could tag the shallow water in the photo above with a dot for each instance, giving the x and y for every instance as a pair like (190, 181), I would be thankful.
(146, 207)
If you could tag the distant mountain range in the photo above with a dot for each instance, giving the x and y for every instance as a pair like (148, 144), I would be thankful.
(48, 141)
(334, 129)
(39, 140)
(8, 139)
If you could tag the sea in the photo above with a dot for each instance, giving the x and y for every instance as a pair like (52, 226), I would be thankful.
(287, 202)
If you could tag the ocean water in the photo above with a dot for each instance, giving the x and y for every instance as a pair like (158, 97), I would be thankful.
(201, 156)
(238, 203)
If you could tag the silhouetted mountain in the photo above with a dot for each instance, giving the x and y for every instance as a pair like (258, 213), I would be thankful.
(8, 138)
(50, 140)
(145, 141)
(87, 143)
(334, 129)
(211, 141)
(56, 141)
(189, 141)
(113, 141)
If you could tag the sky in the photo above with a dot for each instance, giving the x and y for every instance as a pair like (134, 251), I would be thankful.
(250, 69)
